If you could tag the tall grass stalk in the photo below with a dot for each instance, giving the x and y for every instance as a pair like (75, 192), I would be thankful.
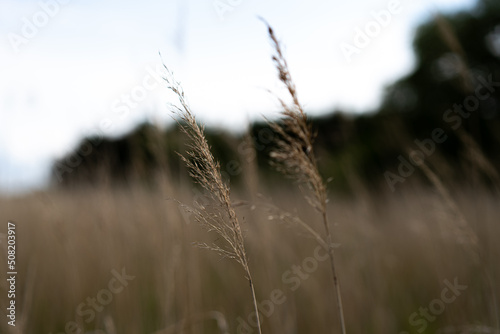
(293, 155)
(205, 170)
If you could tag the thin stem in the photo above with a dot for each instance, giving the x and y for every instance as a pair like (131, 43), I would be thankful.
(254, 301)
(336, 282)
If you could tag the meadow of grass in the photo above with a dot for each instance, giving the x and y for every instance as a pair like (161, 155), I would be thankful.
(127, 259)
(394, 255)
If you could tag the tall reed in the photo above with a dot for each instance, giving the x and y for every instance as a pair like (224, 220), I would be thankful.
(293, 155)
(205, 170)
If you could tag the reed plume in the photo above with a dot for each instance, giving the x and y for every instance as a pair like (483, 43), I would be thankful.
(293, 155)
(205, 170)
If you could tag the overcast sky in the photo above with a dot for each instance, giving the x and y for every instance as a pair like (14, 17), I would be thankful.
(69, 68)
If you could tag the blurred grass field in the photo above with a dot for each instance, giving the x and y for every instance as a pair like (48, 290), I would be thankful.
(395, 253)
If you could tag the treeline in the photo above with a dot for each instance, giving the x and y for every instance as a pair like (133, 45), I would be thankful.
(444, 115)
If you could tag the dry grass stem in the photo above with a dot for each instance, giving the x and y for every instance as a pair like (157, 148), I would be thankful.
(294, 155)
(276, 213)
(205, 170)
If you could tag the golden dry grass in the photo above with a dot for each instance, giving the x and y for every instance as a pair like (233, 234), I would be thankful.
(294, 156)
(219, 215)
(393, 260)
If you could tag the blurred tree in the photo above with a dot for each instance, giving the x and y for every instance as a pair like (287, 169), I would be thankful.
(455, 54)
(447, 49)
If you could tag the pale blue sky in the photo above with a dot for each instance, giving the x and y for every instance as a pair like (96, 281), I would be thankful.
(75, 70)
